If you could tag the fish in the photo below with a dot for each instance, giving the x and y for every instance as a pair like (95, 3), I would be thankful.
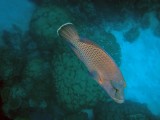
(99, 63)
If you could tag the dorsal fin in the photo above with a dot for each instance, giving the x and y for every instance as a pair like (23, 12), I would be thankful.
(96, 76)
(84, 40)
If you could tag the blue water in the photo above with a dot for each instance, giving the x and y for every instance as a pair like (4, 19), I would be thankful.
(140, 60)
(17, 12)
(141, 66)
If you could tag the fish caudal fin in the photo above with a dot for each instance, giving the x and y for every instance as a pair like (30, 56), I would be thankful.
(68, 32)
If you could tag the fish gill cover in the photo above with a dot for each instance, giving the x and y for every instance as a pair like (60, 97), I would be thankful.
(41, 77)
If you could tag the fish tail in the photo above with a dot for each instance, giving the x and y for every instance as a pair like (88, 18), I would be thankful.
(68, 32)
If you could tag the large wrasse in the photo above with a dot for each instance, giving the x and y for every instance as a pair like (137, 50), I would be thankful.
(100, 65)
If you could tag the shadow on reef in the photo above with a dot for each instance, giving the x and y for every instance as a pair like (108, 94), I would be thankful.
(28, 85)
(126, 111)
(113, 111)
(110, 10)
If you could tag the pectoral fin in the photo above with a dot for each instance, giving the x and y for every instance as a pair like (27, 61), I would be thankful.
(100, 81)
(93, 74)
(96, 76)
(90, 43)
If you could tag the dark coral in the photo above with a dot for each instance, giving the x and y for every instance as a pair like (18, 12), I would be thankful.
(21, 71)
(132, 34)
(13, 53)
(78, 116)
(126, 111)
(76, 90)
(158, 13)
(145, 22)
(44, 24)
(157, 30)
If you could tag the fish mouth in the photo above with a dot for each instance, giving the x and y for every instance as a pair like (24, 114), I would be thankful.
(118, 100)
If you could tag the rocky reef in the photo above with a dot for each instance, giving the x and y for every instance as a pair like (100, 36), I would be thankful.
(157, 30)
(76, 90)
(132, 34)
(126, 111)
(44, 24)
(69, 84)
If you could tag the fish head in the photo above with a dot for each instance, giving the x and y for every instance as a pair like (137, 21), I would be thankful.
(115, 89)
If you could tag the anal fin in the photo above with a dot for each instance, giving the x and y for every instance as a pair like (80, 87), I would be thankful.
(96, 76)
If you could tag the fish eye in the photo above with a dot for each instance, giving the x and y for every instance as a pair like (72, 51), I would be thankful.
(114, 87)
(116, 90)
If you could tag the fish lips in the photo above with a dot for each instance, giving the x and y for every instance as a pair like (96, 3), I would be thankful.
(118, 96)
(118, 100)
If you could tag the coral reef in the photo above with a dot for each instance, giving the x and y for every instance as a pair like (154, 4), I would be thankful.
(157, 30)
(126, 111)
(76, 90)
(12, 54)
(12, 98)
(78, 116)
(132, 34)
(80, 9)
(25, 75)
(35, 67)
(44, 24)
(41, 2)
(145, 22)
(68, 97)
(69, 84)
(158, 14)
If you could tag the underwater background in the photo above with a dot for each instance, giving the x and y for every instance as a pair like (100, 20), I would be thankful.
(42, 79)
